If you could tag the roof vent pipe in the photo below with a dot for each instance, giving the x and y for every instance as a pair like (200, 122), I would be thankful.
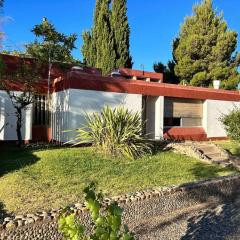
(216, 84)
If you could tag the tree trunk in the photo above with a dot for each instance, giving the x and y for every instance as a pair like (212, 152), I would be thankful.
(19, 126)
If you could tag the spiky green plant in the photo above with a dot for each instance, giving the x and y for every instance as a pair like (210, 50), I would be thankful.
(115, 131)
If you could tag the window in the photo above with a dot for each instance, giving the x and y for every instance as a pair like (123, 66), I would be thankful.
(40, 110)
(180, 112)
(191, 122)
(172, 122)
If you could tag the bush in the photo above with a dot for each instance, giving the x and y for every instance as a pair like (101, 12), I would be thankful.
(107, 221)
(231, 123)
(116, 132)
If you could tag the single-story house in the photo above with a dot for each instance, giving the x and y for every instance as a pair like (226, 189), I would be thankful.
(169, 111)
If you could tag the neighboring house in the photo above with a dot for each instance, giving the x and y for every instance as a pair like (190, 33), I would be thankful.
(169, 111)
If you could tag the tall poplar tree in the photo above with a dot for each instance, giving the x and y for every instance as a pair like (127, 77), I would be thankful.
(205, 49)
(121, 31)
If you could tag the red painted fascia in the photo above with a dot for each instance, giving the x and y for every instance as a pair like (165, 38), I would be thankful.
(76, 80)
(39, 88)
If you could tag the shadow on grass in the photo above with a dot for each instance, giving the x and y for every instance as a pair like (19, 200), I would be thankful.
(3, 212)
(160, 146)
(13, 158)
(204, 171)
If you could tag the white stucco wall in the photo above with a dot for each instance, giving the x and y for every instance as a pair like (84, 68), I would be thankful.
(71, 106)
(60, 116)
(212, 111)
(8, 120)
(155, 117)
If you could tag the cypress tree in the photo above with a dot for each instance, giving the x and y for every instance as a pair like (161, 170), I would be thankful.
(121, 30)
(87, 49)
(204, 50)
(98, 48)
(103, 40)
(106, 46)
(89, 39)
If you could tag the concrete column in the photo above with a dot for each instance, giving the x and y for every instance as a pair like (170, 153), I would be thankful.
(205, 116)
(159, 117)
(148, 79)
(134, 78)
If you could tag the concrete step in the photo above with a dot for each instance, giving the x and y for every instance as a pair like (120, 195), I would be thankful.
(212, 152)
(208, 148)
(216, 156)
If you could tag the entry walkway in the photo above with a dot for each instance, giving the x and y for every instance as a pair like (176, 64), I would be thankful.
(201, 222)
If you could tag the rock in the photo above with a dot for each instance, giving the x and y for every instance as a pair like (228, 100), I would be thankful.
(10, 224)
(19, 217)
(29, 220)
(20, 223)
(78, 205)
(7, 219)
(36, 218)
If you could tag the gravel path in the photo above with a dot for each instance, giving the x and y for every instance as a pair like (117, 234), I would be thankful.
(201, 222)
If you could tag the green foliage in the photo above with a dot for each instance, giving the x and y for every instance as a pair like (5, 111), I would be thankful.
(26, 75)
(107, 221)
(15, 53)
(168, 71)
(204, 50)
(51, 43)
(71, 227)
(87, 49)
(121, 29)
(116, 132)
(199, 79)
(106, 46)
(104, 43)
(231, 123)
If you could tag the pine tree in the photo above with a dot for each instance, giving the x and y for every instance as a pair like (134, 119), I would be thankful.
(204, 50)
(120, 26)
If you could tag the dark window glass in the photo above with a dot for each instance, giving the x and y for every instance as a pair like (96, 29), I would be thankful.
(172, 122)
(40, 110)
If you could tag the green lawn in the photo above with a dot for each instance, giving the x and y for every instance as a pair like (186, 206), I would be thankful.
(33, 180)
(232, 146)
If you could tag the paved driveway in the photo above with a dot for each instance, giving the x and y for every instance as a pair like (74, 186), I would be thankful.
(202, 222)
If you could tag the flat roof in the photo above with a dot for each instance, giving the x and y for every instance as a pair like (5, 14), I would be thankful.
(91, 79)
(75, 80)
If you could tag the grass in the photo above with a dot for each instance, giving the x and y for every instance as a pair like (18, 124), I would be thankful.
(231, 146)
(32, 180)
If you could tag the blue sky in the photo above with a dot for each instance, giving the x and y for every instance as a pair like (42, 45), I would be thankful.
(154, 23)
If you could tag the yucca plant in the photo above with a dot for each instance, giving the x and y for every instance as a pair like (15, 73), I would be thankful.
(115, 131)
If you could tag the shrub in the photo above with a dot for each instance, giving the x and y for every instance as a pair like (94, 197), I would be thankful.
(115, 131)
(107, 222)
(231, 123)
